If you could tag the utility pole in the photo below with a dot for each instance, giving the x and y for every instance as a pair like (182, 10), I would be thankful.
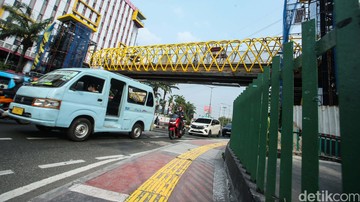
(211, 87)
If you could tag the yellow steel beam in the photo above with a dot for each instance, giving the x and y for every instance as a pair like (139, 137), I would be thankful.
(211, 56)
(91, 18)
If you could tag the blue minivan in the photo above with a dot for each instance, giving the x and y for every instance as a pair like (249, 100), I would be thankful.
(82, 101)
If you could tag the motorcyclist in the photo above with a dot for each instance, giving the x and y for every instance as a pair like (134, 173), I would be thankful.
(181, 115)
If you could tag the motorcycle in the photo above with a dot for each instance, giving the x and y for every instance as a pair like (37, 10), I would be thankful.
(173, 127)
(4, 107)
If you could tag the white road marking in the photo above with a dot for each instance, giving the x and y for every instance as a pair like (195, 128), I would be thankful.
(109, 157)
(123, 156)
(6, 172)
(6, 138)
(35, 185)
(61, 163)
(98, 193)
(144, 152)
(41, 138)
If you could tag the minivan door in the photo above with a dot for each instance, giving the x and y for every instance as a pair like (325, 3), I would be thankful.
(115, 97)
(86, 96)
(114, 107)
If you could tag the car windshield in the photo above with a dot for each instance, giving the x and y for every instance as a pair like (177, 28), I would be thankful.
(202, 120)
(228, 125)
(55, 78)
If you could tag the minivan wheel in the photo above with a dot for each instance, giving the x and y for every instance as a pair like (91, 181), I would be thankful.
(218, 135)
(209, 134)
(80, 129)
(136, 131)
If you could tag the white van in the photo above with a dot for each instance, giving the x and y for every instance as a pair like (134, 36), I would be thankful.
(83, 101)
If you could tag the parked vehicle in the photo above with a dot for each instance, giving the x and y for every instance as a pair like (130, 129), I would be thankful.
(206, 127)
(61, 100)
(226, 130)
(174, 127)
(9, 84)
(4, 106)
(7, 79)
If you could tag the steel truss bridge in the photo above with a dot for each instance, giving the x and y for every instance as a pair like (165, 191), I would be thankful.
(223, 62)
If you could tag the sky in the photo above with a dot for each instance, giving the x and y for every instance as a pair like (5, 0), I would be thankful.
(180, 21)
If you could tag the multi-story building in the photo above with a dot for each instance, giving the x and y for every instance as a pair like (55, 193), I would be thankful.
(119, 22)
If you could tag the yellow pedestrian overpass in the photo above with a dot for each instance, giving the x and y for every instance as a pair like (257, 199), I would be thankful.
(222, 62)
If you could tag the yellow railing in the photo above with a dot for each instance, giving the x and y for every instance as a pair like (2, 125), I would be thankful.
(214, 56)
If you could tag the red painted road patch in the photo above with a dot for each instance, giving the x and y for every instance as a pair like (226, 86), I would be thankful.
(128, 177)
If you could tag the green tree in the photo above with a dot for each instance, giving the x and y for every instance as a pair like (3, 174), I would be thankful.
(170, 100)
(188, 108)
(156, 86)
(20, 24)
(224, 120)
(167, 89)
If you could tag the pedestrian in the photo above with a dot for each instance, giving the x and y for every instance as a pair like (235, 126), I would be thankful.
(157, 122)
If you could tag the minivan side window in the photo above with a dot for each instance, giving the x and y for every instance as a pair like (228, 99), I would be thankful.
(136, 96)
(150, 100)
(89, 83)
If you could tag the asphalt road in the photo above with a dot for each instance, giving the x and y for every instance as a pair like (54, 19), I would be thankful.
(32, 162)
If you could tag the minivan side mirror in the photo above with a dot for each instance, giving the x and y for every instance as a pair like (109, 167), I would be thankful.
(79, 86)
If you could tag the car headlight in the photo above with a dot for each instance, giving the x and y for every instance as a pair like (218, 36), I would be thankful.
(46, 103)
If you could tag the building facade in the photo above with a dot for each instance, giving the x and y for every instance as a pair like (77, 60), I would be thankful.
(119, 21)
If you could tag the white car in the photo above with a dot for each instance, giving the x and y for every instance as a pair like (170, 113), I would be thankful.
(206, 127)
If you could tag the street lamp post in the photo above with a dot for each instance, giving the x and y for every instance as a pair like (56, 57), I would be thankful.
(211, 87)
(225, 107)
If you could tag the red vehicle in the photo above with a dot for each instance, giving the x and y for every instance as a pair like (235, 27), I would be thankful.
(4, 106)
(173, 128)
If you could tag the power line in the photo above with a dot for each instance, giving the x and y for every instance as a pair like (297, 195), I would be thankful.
(262, 29)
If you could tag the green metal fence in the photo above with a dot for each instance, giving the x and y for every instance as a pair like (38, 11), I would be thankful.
(256, 146)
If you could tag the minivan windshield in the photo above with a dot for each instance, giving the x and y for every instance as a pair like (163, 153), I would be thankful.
(55, 78)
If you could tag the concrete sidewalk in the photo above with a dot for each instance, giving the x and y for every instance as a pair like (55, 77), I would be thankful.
(188, 171)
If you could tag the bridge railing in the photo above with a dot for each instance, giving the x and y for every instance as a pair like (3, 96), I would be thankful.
(255, 142)
(227, 55)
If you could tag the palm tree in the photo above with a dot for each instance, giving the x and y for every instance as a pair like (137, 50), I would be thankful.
(20, 24)
(170, 100)
(189, 108)
(167, 88)
(156, 86)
